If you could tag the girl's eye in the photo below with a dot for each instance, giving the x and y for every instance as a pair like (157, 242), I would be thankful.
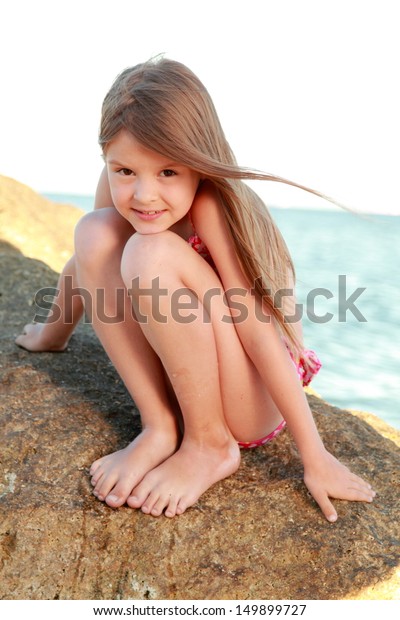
(125, 172)
(168, 173)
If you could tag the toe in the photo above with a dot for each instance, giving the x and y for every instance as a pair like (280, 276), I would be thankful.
(113, 500)
(139, 494)
(159, 506)
(147, 506)
(171, 510)
(104, 486)
(94, 467)
(150, 503)
(97, 480)
(181, 507)
(118, 494)
(96, 477)
(133, 501)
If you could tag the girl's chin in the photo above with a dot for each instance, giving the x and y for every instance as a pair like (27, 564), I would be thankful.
(147, 228)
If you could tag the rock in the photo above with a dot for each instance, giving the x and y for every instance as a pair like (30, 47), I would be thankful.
(256, 535)
(36, 226)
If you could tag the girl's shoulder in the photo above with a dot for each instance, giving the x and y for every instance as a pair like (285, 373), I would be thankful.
(207, 208)
(211, 226)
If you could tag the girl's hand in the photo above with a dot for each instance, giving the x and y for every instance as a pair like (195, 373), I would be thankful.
(326, 477)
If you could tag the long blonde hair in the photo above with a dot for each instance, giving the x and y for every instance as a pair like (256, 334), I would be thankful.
(166, 108)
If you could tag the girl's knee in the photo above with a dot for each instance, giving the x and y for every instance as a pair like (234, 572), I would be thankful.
(100, 232)
(146, 256)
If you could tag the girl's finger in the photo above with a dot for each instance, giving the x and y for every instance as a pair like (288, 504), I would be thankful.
(327, 508)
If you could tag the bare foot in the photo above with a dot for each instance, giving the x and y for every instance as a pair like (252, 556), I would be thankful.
(115, 475)
(177, 484)
(34, 338)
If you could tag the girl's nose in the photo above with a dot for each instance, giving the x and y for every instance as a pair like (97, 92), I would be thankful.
(144, 191)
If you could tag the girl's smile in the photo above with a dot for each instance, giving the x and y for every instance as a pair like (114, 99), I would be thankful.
(148, 215)
(149, 190)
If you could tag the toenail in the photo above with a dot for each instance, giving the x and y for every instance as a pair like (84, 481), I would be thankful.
(112, 498)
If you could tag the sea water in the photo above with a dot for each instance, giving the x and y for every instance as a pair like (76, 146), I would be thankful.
(348, 292)
(347, 269)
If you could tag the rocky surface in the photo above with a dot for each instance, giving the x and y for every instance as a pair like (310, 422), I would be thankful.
(256, 535)
(35, 225)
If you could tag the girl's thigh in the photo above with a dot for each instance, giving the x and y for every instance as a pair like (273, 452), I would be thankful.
(249, 409)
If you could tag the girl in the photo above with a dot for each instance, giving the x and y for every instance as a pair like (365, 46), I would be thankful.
(198, 281)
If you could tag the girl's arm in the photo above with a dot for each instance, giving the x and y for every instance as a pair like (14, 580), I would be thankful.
(103, 197)
(324, 476)
(54, 335)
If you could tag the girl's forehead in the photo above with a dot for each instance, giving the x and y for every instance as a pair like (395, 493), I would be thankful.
(126, 139)
(124, 147)
(125, 142)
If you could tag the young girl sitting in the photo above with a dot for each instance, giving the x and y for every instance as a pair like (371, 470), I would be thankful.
(199, 283)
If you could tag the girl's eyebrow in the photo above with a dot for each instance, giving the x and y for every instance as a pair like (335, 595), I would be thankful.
(114, 162)
(163, 166)
(172, 164)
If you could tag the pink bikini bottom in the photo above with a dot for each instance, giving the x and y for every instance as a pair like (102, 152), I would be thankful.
(307, 368)
(261, 442)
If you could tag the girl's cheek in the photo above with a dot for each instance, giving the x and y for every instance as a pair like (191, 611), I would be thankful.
(120, 194)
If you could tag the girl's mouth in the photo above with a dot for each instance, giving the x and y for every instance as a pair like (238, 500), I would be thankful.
(148, 215)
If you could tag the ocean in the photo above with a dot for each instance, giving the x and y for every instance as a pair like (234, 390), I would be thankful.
(348, 290)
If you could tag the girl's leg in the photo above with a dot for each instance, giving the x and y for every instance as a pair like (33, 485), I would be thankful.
(54, 334)
(221, 396)
(100, 240)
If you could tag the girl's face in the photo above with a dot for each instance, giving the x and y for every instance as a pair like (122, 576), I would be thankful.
(152, 192)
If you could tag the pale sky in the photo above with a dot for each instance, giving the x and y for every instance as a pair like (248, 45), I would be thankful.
(306, 89)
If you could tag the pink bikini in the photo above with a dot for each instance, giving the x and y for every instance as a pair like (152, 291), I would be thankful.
(197, 244)
(307, 366)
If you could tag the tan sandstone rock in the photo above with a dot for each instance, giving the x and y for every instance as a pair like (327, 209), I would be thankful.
(36, 226)
(256, 535)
